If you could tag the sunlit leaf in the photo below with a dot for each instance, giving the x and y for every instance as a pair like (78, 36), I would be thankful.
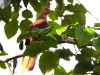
(11, 28)
(60, 71)
(61, 30)
(48, 61)
(84, 36)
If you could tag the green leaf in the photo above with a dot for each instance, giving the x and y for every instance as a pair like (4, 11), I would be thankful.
(96, 69)
(11, 28)
(61, 30)
(71, 1)
(27, 14)
(36, 5)
(46, 38)
(2, 65)
(48, 61)
(96, 43)
(53, 16)
(3, 53)
(5, 14)
(25, 2)
(16, 5)
(83, 67)
(90, 52)
(14, 15)
(65, 54)
(84, 36)
(97, 24)
(23, 36)
(37, 47)
(35, 32)
(45, 30)
(60, 71)
(82, 58)
(24, 25)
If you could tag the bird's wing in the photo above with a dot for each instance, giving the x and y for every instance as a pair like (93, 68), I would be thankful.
(37, 23)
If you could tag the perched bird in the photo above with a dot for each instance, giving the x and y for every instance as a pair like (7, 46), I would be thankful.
(41, 22)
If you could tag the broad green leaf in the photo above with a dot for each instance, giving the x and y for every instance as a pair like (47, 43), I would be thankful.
(48, 61)
(53, 16)
(11, 28)
(37, 47)
(65, 54)
(61, 30)
(71, 1)
(79, 13)
(24, 25)
(97, 24)
(25, 2)
(83, 67)
(84, 36)
(60, 71)
(27, 14)
(90, 52)
(14, 15)
(35, 32)
(46, 38)
(5, 14)
(23, 36)
(57, 37)
(45, 30)
(96, 69)
(36, 5)
(96, 43)
(3, 53)
(70, 19)
(16, 5)
(2, 65)
(82, 58)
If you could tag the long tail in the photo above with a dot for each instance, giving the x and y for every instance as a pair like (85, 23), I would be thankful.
(28, 63)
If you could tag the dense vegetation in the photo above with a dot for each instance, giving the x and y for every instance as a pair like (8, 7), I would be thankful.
(72, 30)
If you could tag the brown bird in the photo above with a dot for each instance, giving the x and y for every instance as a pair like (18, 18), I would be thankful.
(41, 22)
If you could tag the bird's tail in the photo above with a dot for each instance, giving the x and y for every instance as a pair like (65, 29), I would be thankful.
(28, 63)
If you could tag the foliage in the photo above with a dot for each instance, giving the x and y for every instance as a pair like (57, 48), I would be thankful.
(72, 25)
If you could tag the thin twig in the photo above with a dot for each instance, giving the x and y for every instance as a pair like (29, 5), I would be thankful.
(12, 57)
(89, 12)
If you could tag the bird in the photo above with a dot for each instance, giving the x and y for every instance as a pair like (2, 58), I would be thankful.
(41, 22)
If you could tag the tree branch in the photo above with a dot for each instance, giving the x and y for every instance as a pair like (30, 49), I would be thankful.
(10, 58)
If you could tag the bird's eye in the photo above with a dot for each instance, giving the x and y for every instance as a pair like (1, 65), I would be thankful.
(46, 9)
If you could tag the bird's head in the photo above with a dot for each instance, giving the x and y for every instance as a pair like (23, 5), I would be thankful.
(46, 11)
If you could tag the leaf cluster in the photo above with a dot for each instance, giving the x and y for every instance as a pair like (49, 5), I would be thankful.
(72, 26)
